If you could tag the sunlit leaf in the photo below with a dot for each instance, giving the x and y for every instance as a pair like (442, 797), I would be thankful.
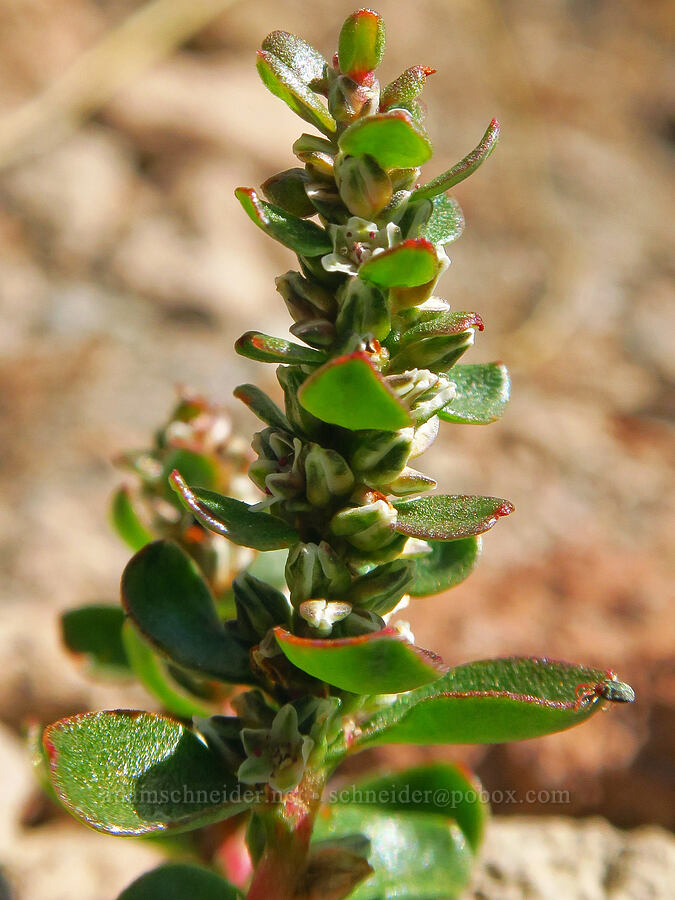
(482, 393)
(446, 517)
(392, 138)
(284, 83)
(448, 564)
(464, 167)
(361, 44)
(301, 236)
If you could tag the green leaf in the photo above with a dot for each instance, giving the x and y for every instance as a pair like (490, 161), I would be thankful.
(439, 324)
(285, 84)
(262, 406)
(392, 138)
(152, 674)
(95, 632)
(264, 348)
(446, 222)
(482, 394)
(409, 264)
(464, 167)
(487, 702)
(304, 238)
(126, 521)
(166, 597)
(235, 519)
(178, 881)
(361, 44)
(381, 662)
(414, 856)
(406, 88)
(436, 789)
(306, 63)
(448, 564)
(349, 392)
(128, 772)
(447, 517)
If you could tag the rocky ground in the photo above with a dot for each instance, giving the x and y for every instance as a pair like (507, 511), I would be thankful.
(126, 267)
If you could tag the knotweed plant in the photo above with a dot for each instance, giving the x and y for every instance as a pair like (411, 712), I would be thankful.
(321, 668)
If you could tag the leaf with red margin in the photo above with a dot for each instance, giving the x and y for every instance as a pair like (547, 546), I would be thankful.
(349, 392)
(304, 238)
(409, 264)
(440, 324)
(265, 348)
(126, 772)
(486, 702)
(391, 138)
(306, 62)
(361, 44)
(381, 662)
(289, 87)
(462, 169)
(234, 519)
(446, 517)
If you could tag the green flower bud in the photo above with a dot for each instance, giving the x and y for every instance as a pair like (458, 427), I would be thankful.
(291, 378)
(437, 354)
(326, 200)
(321, 615)
(365, 188)
(363, 311)
(287, 190)
(305, 299)
(315, 571)
(318, 333)
(368, 526)
(404, 179)
(380, 456)
(277, 755)
(317, 153)
(348, 100)
(259, 606)
(327, 475)
(278, 470)
(424, 436)
(359, 621)
(410, 481)
(380, 590)
(423, 392)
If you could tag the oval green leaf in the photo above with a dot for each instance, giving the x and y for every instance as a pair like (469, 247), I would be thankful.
(446, 222)
(264, 348)
(306, 63)
(169, 602)
(406, 88)
(419, 857)
(488, 702)
(483, 390)
(178, 881)
(448, 564)
(381, 662)
(447, 517)
(304, 238)
(235, 519)
(262, 406)
(463, 168)
(361, 44)
(129, 772)
(285, 84)
(409, 264)
(95, 633)
(392, 138)
(349, 392)
(126, 521)
(436, 789)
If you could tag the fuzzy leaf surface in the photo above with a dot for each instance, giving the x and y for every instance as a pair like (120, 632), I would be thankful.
(284, 83)
(448, 564)
(306, 63)
(465, 167)
(446, 517)
(377, 663)
(235, 519)
(487, 702)
(304, 238)
(114, 771)
(440, 324)
(169, 602)
(446, 222)
(349, 392)
(391, 138)
(483, 390)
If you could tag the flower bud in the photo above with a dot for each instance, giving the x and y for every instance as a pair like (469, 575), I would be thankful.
(423, 392)
(363, 311)
(278, 470)
(410, 481)
(305, 299)
(321, 615)
(368, 526)
(381, 455)
(277, 755)
(259, 606)
(315, 571)
(318, 333)
(359, 621)
(317, 153)
(327, 475)
(349, 100)
(380, 590)
(287, 190)
(365, 188)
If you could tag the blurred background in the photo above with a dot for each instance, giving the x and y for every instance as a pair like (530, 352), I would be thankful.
(126, 267)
